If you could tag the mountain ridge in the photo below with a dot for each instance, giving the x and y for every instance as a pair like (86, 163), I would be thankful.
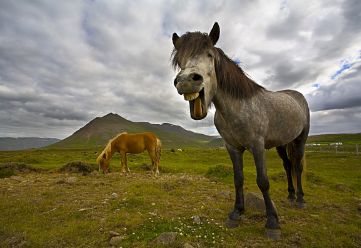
(98, 131)
(22, 143)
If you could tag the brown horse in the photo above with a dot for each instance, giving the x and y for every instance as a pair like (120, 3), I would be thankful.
(131, 143)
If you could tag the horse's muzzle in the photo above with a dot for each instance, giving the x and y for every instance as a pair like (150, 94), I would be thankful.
(191, 83)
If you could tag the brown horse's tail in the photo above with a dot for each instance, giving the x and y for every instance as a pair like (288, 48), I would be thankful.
(291, 151)
(158, 150)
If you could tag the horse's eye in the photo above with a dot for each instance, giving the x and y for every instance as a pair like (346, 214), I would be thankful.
(210, 55)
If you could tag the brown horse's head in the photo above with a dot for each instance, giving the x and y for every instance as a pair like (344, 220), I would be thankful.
(194, 53)
(103, 162)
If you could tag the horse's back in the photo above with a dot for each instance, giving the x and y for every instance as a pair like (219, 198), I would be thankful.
(150, 140)
(299, 97)
(290, 102)
(138, 142)
(288, 116)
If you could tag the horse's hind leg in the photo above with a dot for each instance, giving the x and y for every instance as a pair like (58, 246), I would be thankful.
(298, 152)
(282, 152)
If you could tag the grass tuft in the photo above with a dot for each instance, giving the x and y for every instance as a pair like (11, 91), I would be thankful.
(14, 168)
(220, 171)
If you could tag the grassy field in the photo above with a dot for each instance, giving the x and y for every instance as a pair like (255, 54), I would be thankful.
(349, 139)
(48, 208)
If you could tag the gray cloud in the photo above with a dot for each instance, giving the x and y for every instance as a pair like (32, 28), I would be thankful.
(336, 121)
(343, 94)
(63, 63)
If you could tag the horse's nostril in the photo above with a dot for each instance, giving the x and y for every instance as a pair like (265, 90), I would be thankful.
(197, 77)
(175, 82)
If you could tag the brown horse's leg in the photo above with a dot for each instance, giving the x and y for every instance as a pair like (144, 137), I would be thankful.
(156, 160)
(152, 156)
(123, 162)
(126, 164)
(158, 151)
(156, 167)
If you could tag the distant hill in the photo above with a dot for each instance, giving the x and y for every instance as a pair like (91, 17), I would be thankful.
(98, 131)
(11, 144)
(346, 138)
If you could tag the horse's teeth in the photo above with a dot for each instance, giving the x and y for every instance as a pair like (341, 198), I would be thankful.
(191, 96)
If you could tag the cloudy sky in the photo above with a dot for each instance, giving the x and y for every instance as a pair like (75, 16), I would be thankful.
(63, 63)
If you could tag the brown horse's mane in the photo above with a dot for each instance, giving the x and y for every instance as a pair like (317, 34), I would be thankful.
(230, 77)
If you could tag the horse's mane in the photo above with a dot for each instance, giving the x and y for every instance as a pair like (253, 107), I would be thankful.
(230, 77)
(108, 148)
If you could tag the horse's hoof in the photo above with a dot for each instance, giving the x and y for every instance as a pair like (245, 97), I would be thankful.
(301, 205)
(274, 234)
(232, 223)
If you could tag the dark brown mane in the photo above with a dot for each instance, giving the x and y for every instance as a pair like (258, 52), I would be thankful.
(230, 76)
(232, 79)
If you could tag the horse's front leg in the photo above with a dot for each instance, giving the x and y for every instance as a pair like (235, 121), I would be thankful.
(156, 168)
(237, 160)
(126, 164)
(123, 163)
(272, 225)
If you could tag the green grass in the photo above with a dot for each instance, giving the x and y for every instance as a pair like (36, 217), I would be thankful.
(42, 210)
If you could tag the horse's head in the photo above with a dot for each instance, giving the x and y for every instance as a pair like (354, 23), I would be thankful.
(194, 53)
(103, 162)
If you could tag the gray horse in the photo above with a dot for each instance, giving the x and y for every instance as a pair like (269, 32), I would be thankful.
(248, 117)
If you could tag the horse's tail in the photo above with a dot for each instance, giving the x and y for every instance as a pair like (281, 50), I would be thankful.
(291, 150)
(158, 150)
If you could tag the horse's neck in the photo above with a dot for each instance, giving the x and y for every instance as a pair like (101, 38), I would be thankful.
(110, 152)
(227, 105)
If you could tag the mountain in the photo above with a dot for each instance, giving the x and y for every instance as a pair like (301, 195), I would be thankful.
(11, 144)
(98, 131)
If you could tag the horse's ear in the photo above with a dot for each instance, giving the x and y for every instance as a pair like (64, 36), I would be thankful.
(214, 34)
(175, 38)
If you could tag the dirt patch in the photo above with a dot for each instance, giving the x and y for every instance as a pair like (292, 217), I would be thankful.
(18, 240)
(79, 167)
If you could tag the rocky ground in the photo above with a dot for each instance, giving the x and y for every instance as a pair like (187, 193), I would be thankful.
(138, 210)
